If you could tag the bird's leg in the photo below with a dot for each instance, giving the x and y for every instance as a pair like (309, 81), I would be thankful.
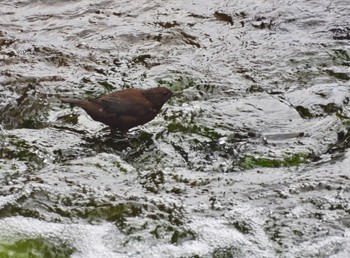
(113, 130)
(125, 134)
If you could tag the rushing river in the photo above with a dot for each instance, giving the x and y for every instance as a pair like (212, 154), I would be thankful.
(251, 161)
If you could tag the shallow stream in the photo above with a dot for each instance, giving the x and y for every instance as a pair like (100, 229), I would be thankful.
(252, 160)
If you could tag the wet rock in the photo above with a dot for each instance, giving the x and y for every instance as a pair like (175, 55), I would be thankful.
(341, 33)
(223, 17)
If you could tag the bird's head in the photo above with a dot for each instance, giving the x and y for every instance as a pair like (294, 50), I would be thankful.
(158, 96)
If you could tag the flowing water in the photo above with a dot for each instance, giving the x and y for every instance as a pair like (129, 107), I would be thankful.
(251, 161)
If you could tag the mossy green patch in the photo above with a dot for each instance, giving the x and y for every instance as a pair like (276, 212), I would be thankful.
(110, 212)
(70, 118)
(17, 149)
(339, 75)
(227, 252)
(340, 57)
(98, 165)
(179, 237)
(107, 86)
(14, 148)
(178, 84)
(303, 112)
(35, 248)
(194, 129)
(346, 122)
(249, 162)
(120, 167)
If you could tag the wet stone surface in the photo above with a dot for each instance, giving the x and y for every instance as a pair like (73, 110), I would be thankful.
(251, 161)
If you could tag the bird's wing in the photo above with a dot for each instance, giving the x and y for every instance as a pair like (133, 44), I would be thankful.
(122, 106)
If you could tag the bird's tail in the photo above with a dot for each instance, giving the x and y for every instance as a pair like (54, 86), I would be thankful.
(71, 101)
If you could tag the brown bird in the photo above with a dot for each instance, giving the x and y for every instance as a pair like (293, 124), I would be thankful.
(125, 109)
